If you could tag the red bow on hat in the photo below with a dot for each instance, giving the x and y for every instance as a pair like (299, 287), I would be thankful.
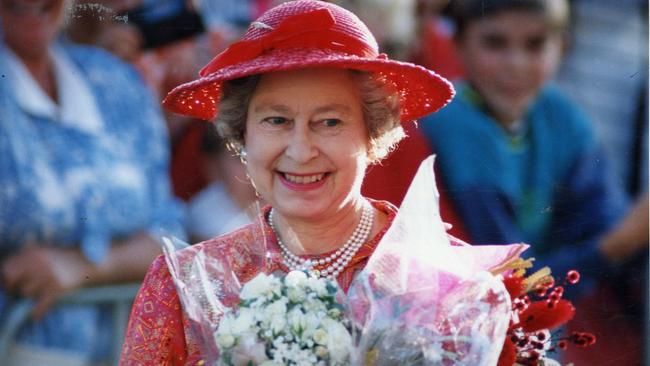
(313, 29)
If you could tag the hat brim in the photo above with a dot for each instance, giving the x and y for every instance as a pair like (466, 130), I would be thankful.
(421, 91)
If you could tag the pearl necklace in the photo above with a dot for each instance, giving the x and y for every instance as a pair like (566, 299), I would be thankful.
(336, 262)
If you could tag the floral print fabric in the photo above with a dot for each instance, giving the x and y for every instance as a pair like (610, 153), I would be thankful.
(70, 184)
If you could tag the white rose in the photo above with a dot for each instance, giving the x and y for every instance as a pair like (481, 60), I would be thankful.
(223, 336)
(318, 285)
(311, 324)
(320, 336)
(260, 286)
(296, 295)
(311, 321)
(274, 315)
(297, 320)
(278, 323)
(295, 279)
(225, 340)
(274, 309)
(244, 321)
(315, 305)
(339, 341)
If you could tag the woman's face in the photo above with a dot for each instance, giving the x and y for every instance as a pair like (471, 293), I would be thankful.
(306, 142)
(508, 57)
(30, 25)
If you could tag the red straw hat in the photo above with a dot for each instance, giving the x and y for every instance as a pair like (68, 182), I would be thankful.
(302, 34)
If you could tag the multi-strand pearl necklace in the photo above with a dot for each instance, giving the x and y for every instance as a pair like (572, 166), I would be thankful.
(336, 262)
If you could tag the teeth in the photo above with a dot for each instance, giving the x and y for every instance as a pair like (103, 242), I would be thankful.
(303, 179)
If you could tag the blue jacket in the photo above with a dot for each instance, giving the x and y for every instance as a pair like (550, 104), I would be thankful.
(547, 185)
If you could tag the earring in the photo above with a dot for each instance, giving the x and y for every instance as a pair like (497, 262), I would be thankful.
(250, 180)
(243, 155)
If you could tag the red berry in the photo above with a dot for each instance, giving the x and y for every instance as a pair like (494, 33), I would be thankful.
(573, 277)
(550, 283)
(522, 343)
(591, 339)
(541, 292)
(514, 338)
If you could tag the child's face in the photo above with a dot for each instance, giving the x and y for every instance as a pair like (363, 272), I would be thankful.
(508, 57)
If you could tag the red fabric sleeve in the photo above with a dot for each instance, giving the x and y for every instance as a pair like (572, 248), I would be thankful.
(155, 334)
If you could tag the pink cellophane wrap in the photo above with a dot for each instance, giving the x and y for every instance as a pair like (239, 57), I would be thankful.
(420, 300)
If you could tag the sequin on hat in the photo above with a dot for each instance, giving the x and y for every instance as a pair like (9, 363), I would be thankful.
(307, 34)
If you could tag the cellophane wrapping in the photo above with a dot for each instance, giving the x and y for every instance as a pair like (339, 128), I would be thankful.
(421, 299)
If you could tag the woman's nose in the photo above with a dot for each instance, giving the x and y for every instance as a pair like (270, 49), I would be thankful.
(301, 147)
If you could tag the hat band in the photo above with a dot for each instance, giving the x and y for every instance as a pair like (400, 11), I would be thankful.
(312, 29)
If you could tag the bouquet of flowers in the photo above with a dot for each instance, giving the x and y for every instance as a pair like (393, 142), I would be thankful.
(291, 320)
(420, 300)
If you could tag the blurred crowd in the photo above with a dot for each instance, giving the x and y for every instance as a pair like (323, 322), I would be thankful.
(580, 182)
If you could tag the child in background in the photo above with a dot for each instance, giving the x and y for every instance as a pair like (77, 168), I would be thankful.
(227, 202)
(519, 161)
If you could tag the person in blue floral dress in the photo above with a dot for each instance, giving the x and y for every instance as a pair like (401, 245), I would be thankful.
(84, 189)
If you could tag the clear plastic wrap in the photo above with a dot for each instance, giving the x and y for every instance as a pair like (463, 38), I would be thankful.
(207, 284)
(419, 301)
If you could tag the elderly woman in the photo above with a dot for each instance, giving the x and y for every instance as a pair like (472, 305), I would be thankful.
(83, 171)
(308, 103)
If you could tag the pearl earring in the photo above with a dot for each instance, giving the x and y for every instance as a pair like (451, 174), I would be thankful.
(243, 155)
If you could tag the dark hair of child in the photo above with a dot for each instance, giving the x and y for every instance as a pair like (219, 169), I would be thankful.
(464, 12)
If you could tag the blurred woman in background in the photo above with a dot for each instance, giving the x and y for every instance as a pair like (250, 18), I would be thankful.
(83, 171)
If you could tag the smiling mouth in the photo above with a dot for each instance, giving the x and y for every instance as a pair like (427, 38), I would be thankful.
(303, 179)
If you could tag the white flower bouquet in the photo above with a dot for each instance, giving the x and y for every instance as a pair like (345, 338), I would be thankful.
(291, 320)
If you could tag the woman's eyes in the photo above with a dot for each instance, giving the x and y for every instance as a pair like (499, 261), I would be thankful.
(326, 123)
(331, 122)
(275, 121)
